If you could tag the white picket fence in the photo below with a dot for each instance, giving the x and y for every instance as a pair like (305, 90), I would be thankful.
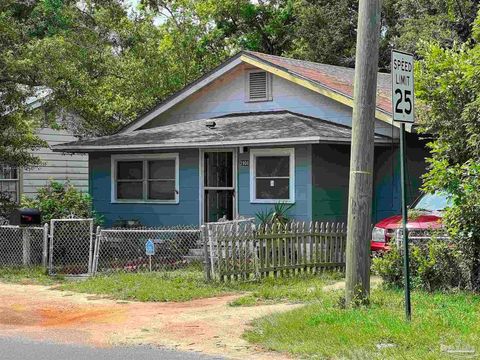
(240, 250)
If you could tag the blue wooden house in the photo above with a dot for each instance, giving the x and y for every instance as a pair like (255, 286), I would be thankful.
(255, 131)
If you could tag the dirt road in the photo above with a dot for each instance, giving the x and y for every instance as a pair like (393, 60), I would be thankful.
(206, 325)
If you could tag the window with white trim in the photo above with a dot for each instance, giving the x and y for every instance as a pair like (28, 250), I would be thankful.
(258, 86)
(272, 175)
(145, 178)
(9, 182)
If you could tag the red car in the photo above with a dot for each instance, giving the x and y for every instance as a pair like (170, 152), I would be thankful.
(429, 208)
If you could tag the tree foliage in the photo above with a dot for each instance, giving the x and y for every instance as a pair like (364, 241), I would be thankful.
(18, 78)
(326, 30)
(106, 64)
(448, 84)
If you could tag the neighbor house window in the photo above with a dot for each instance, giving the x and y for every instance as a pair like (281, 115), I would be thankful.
(258, 86)
(272, 175)
(9, 183)
(149, 178)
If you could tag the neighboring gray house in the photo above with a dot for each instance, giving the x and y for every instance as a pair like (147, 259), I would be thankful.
(16, 182)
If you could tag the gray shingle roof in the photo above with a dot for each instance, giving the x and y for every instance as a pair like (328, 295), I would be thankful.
(266, 128)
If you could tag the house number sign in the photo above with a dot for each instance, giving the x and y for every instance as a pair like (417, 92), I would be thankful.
(244, 162)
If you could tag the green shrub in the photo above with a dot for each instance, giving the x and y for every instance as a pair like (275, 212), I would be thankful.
(389, 266)
(60, 200)
(436, 265)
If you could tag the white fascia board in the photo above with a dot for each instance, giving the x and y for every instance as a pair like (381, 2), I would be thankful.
(262, 142)
(181, 96)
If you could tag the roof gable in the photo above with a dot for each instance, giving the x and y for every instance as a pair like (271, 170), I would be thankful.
(334, 82)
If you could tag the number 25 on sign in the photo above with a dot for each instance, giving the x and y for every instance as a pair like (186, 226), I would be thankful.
(402, 87)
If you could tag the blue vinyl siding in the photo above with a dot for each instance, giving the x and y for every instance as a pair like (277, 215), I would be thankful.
(330, 165)
(321, 186)
(186, 212)
(302, 210)
(387, 186)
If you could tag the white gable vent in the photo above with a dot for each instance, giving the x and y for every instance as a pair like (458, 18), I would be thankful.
(258, 86)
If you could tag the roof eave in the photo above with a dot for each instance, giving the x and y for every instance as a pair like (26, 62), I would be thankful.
(214, 144)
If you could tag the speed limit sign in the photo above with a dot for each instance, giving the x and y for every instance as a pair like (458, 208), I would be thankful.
(402, 87)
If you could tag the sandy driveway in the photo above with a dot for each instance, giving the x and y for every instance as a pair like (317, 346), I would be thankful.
(206, 325)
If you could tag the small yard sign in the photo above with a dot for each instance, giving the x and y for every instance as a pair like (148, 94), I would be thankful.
(149, 248)
(402, 87)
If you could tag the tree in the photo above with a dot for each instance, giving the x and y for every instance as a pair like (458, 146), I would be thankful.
(18, 82)
(325, 30)
(448, 86)
(264, 26)
(105, 64)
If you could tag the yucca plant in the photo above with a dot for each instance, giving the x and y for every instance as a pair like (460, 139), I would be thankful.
(277, 215)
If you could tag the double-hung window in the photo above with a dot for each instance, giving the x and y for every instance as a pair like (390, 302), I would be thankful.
(272, 176)
(145, 178)
(9, 183)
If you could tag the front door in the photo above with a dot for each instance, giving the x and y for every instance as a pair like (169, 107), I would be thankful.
(218, 185)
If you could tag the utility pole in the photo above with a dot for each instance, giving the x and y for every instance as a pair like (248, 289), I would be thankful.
(361, 158)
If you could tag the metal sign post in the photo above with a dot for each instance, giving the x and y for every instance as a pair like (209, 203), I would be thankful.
(150, 251)
(403, 111)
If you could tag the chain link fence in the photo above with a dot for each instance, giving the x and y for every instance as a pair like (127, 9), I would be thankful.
(23, 246)
(418, 236)
(125, 249)
(71, 246)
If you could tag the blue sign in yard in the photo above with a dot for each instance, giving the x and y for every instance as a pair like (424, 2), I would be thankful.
(149, 248)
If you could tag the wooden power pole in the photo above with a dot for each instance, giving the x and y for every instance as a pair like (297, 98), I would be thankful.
(361, 159)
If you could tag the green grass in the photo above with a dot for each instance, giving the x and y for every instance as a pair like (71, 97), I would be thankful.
(181, 285)
(23, 275)
(300, 289)
(188, 284)
(323, 330)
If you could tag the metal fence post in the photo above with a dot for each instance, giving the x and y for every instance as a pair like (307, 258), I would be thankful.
(90, 250)
(208, 275)
(45, 246)
(50, 254)
(26, 246)
(96, 249)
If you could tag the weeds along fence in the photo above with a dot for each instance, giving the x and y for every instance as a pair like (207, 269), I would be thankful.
(125, 249)
(241, 251)
(23, 246)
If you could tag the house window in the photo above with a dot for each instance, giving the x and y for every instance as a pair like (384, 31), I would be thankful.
(258, 86)
(9, 183)
(272, 175)
(145, 178)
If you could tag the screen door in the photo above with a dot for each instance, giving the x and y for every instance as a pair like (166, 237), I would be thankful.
(218, 185)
